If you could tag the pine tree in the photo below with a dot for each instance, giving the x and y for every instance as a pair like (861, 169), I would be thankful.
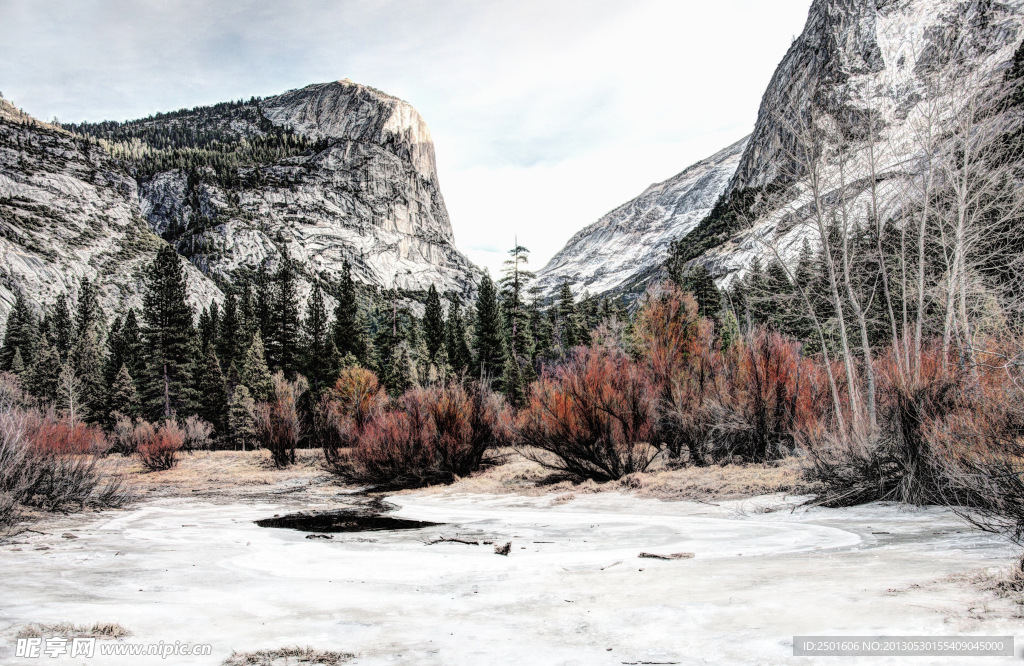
(168, 336)
(241, 418)
(263, 305)
(514, 285)
(568, 329)
(88, 368)
(213, 394)
(283, 347)
(433, 324)
(490, 353)
(88, 314)
(459, 356)
(349, 329)
(228, 336)
(698, 281)
(400, 373)
(247, 324)
(131, 345)
(316, 334)
(63, 327)
(255, 374)
(17, 365)
(390, 334)
(21, 333)
(123, 399)
(42, 376)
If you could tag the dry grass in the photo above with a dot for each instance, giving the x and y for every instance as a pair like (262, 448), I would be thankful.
(211, 470)
(71, 630)
(287, 657)
(525, 477)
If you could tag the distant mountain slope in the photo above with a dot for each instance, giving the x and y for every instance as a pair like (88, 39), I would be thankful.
(634, 238)
(68, 210)
(330, 172)
(865, 61)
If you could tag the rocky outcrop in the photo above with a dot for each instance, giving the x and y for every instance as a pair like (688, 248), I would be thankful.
(873, 66)
(635, 237)
(366, 191)
(68, 211)
(868, 64)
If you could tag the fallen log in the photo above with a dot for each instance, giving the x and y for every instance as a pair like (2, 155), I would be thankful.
(673, 556)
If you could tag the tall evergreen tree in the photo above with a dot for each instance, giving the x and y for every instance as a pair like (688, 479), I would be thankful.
(263, 305)
(88, 314)
(698, 281)
(490, 352)
(241, 418)
(17, 364)
(283, 346)
(433, 324)
(168, 336)
(568, 330)
(349, 329)
(456, 343)
(63, 327)
(20, 334)
(514, 284)
(41, 378)
(247, 324)
(229, 335)
(88, 368)
(255, 374)
(213, 393)
(123, 398)
(316, 361)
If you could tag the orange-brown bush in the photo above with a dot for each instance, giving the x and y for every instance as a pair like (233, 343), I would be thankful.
(51, 464)
(278, 423)
(52, 436)
(757, 399)
(948, 434)
(342, 413)
(596, 414)
(158, 447)
(429, 436)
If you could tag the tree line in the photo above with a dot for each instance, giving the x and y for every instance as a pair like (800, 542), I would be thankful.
(168, 361)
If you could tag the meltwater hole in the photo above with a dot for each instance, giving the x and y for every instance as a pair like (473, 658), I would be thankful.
(342, 521)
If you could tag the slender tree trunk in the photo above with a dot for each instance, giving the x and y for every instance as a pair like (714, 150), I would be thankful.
(858, 310)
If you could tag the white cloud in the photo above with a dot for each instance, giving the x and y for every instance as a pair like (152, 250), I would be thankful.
(545, 115)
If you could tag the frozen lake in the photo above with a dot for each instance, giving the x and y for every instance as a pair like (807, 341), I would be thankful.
(572, 591)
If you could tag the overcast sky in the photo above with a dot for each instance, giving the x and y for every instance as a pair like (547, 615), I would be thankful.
(545, 114)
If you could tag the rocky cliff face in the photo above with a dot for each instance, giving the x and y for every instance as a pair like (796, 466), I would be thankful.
(67, 210)
(365, 190)
(877, 67)
(874, 65)
(633, 239)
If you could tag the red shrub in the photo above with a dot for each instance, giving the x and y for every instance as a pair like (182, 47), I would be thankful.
(341, 414)
(467, 422)
(62, 437)
(395, 447)
(278, 424)
(431, 435)
(596, 413)
(159, 449)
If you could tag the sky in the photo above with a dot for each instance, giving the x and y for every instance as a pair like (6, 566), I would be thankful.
(545, 114)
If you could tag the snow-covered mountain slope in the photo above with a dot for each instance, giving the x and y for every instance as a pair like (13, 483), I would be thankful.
(366, 191)
(634, 238)
(876, 68)
(879, 68)
(67, 210)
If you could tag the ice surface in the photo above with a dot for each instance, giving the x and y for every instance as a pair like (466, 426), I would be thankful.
(572, 587)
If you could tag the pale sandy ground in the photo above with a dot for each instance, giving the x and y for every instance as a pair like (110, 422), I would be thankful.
(573, 591)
